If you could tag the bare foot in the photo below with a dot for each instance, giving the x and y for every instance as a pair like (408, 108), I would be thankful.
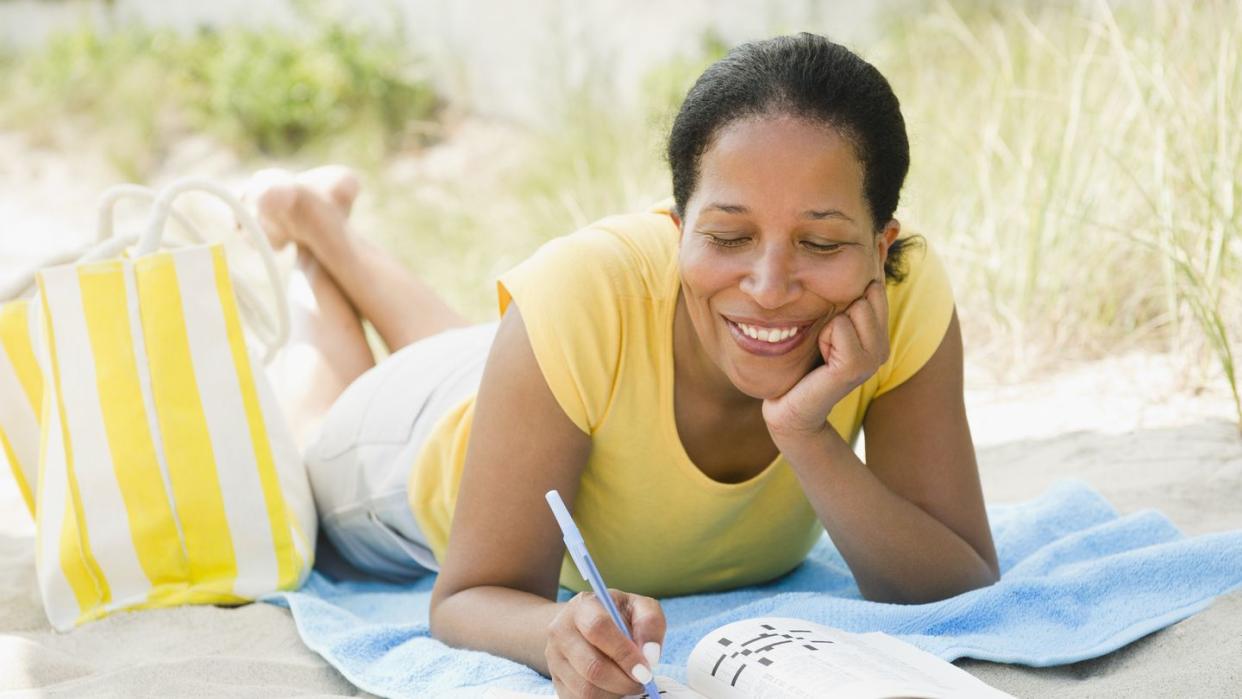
(304, 208)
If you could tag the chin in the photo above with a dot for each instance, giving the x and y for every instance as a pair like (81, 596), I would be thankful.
(770, 387)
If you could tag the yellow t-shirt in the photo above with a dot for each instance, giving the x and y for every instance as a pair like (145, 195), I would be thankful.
(598, 308)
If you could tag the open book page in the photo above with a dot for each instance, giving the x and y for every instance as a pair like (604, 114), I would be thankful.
(784, 658)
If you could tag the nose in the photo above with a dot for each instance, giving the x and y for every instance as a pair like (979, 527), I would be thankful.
(771, 280)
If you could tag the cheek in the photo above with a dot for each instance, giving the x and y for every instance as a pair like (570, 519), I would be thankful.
(703, 278)
(843, 286)
(839, 291)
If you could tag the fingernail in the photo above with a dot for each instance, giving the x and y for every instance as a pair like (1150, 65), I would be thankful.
(651, 649)
(641, 673)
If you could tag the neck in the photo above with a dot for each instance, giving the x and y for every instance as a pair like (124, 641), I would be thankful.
(693, 366)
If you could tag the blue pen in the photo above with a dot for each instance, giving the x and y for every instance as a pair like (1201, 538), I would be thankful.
(586, 567)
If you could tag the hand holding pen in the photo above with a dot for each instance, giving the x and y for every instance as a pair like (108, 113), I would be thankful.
(590, 648)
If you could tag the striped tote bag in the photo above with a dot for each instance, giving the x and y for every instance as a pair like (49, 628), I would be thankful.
(167, 474)
(21, 394)
(21, 377)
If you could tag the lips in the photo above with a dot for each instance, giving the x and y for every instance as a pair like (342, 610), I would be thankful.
(764, 348)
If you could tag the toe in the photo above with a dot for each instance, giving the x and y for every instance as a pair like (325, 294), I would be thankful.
(337, 183)
(273, 194)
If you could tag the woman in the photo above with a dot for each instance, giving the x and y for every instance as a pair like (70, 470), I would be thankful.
(691, 379)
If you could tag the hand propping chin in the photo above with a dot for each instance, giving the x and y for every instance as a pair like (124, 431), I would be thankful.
(854, 344)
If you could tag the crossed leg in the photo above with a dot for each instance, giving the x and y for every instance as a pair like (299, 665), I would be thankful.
(340, 278)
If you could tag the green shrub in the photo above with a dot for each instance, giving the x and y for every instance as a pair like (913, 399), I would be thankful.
(281, 94)
(328, 91)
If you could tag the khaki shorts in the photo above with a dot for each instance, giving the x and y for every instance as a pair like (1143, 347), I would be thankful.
(360, 459)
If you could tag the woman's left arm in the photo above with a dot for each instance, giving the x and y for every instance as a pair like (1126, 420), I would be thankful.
(910, 522)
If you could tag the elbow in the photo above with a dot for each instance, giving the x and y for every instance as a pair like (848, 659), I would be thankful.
(442, 627)
(986, 576)
(929, 591)
(439, 616)
(435, 623)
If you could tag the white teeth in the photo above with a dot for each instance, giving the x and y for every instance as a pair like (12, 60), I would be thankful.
(767, 335)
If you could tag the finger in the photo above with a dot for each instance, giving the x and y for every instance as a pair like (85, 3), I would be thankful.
(872, 335)
(806, 405)
(880, 303)
(847, 347)
(592, 671)
(645, 621)
(825, 339)
(648, 625)
(566, 680)
(626, 668)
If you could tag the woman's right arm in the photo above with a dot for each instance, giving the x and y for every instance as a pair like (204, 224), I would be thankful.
(497, 587)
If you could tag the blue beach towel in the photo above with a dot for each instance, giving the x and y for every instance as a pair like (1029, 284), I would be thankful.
(1078, 581)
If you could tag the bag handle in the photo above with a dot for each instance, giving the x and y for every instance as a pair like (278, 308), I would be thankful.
(112, 195)
(260, 320)
(106, 245)
(272, 331)
(153, 233)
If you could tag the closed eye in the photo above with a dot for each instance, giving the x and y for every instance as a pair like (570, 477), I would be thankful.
(726, 242)
(816, 247)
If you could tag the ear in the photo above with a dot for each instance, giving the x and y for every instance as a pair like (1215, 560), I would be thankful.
(676, 222)
(884, 240)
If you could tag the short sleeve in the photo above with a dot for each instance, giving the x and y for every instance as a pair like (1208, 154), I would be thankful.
(569, 294)
(920, 308)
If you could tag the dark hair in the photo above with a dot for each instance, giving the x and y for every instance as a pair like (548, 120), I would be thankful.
(809, 77)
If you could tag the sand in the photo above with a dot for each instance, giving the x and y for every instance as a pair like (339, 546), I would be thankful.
(1135, 427)
(1117, 424)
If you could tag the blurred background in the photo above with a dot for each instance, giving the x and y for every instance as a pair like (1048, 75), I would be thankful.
(1076, 163)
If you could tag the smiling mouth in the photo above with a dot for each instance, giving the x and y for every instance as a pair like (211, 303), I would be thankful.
(767, 342)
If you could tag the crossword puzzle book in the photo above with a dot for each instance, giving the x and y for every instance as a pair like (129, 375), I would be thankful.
(784, 658)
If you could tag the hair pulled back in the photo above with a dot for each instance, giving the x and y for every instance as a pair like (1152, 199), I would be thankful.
(808, 77)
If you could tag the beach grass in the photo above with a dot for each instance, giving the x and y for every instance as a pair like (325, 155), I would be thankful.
(1076, 163)
(329, 92)
(1080, 162)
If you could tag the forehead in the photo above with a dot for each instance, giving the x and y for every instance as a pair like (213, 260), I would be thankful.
(773, 160)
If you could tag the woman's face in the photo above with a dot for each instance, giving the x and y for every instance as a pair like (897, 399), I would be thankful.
(777, 239)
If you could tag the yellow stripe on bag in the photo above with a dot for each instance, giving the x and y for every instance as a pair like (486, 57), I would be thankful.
(15, 336)
(46, 526)
(18, 475)
(183, 428)
(79, 564)
(90, 588)
(289, 562)
(152, 527)
(16, 343)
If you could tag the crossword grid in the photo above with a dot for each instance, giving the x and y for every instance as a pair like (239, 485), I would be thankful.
(782, 637)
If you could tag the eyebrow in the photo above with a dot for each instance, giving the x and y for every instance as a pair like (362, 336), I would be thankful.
(814, 215)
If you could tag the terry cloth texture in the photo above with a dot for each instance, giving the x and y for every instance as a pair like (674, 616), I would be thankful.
(1078, 581)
